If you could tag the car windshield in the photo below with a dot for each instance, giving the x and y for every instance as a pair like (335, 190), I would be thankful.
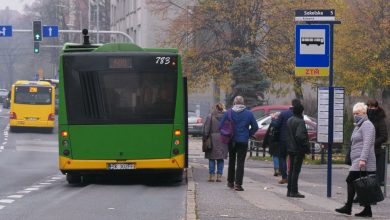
(192, 114)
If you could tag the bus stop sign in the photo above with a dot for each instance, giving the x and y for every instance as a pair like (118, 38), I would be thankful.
(312, 50)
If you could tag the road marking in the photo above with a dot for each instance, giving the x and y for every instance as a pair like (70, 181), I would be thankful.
(56, 178)
(9, 201)
(1, 206)
(36, 186)
(31, 189)
(15, 196)
(24, 191)
(4, 143)
(37, 149)
(51, 180)
(1, 147)
(45, 183)
(5, 139)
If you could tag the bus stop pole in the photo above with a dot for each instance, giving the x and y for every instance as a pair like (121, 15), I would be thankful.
(330, 119)
(386, 164)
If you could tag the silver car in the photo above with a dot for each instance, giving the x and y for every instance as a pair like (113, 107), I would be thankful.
(3, 94)
(195, 124)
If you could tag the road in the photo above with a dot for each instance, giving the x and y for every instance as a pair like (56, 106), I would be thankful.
(31, 186)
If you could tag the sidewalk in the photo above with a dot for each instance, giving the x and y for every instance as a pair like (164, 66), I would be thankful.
(264, 198)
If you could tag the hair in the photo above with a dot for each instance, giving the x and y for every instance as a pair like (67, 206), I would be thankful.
(238, 100)
(295, 102)
(372, 102)
(360, 107)
(298, 109)
(220, 107)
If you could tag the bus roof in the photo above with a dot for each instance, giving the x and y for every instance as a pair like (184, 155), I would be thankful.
(31, 83)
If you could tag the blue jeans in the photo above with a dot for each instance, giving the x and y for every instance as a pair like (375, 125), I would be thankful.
(283, 167)
(276, 162)
(219, 166)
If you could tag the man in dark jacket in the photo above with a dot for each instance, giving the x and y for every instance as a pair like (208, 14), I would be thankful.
(281, 124)
(377, 116)
(298, 146)
(245, 126)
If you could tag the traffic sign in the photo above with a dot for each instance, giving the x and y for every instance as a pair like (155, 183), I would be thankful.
(5, 31)
(315, 15)
(50, 31)
(37, 30)
(312, 50)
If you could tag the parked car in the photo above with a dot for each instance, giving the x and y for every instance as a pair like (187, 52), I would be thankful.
(6, 102)
(265, 121)
(260, 111)
(195, 124)
(3, 94)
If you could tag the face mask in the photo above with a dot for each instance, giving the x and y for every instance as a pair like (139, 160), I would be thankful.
(357, 118)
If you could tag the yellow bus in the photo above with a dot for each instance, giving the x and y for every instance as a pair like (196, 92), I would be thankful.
(32, 105)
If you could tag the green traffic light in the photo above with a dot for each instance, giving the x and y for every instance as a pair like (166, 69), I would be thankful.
(37, 36)
(36, 50)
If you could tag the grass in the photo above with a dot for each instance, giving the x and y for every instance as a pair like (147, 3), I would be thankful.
(337, 159)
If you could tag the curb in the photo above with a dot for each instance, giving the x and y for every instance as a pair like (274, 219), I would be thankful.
(191, 192)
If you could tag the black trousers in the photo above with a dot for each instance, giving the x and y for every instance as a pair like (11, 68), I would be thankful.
(353, 175)
(237, 152)
(296, 161)
(380, 165)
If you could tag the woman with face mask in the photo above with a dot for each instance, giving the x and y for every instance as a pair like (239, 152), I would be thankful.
(362, 156)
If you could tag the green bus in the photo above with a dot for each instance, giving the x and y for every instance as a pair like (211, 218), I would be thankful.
(122, 108)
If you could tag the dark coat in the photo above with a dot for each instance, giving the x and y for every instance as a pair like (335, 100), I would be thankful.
(297, 137)
(281, 123)
(378, 120)
(271, 139)
(211, 128)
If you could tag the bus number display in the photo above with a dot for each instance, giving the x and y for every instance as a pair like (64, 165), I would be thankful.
(163, 60)
(33, 89)
(119, 62)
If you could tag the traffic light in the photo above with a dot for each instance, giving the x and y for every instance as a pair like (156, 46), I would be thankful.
(37, 30)
(36, 47)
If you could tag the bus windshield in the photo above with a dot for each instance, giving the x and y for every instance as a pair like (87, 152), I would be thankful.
(104, 95)
(33, 95)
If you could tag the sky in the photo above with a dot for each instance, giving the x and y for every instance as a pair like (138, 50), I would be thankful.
(15, 4)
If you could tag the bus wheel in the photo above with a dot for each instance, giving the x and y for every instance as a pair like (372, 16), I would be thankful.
(177, 176)
(73, 178)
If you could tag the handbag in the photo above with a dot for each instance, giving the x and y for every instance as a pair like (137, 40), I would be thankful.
(206, 145)
(367, 189)
(227, 129)
(206, 142)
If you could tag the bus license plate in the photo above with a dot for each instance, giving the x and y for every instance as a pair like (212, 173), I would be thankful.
(121, 166)
(31, 119)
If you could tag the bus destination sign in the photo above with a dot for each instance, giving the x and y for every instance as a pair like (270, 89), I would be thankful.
(315, 15)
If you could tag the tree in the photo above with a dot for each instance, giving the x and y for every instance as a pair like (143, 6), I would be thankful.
(213, 33)
(249, 81)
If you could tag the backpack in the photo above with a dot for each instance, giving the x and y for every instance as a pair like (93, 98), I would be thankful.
(227, 129)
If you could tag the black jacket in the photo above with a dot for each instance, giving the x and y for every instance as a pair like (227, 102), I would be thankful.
(378, 119)
(271, 139)
(298, 139)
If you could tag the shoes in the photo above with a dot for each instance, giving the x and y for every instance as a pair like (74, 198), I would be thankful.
(211, 178)
(238, 188)
(365, 213)
(283, 181)
(296, 195)
(230, 185)
(219, 178)
(276, 173)
(346, 209)
(355, 200)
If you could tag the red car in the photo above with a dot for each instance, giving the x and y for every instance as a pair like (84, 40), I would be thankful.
(260, 111)
(265, 121)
